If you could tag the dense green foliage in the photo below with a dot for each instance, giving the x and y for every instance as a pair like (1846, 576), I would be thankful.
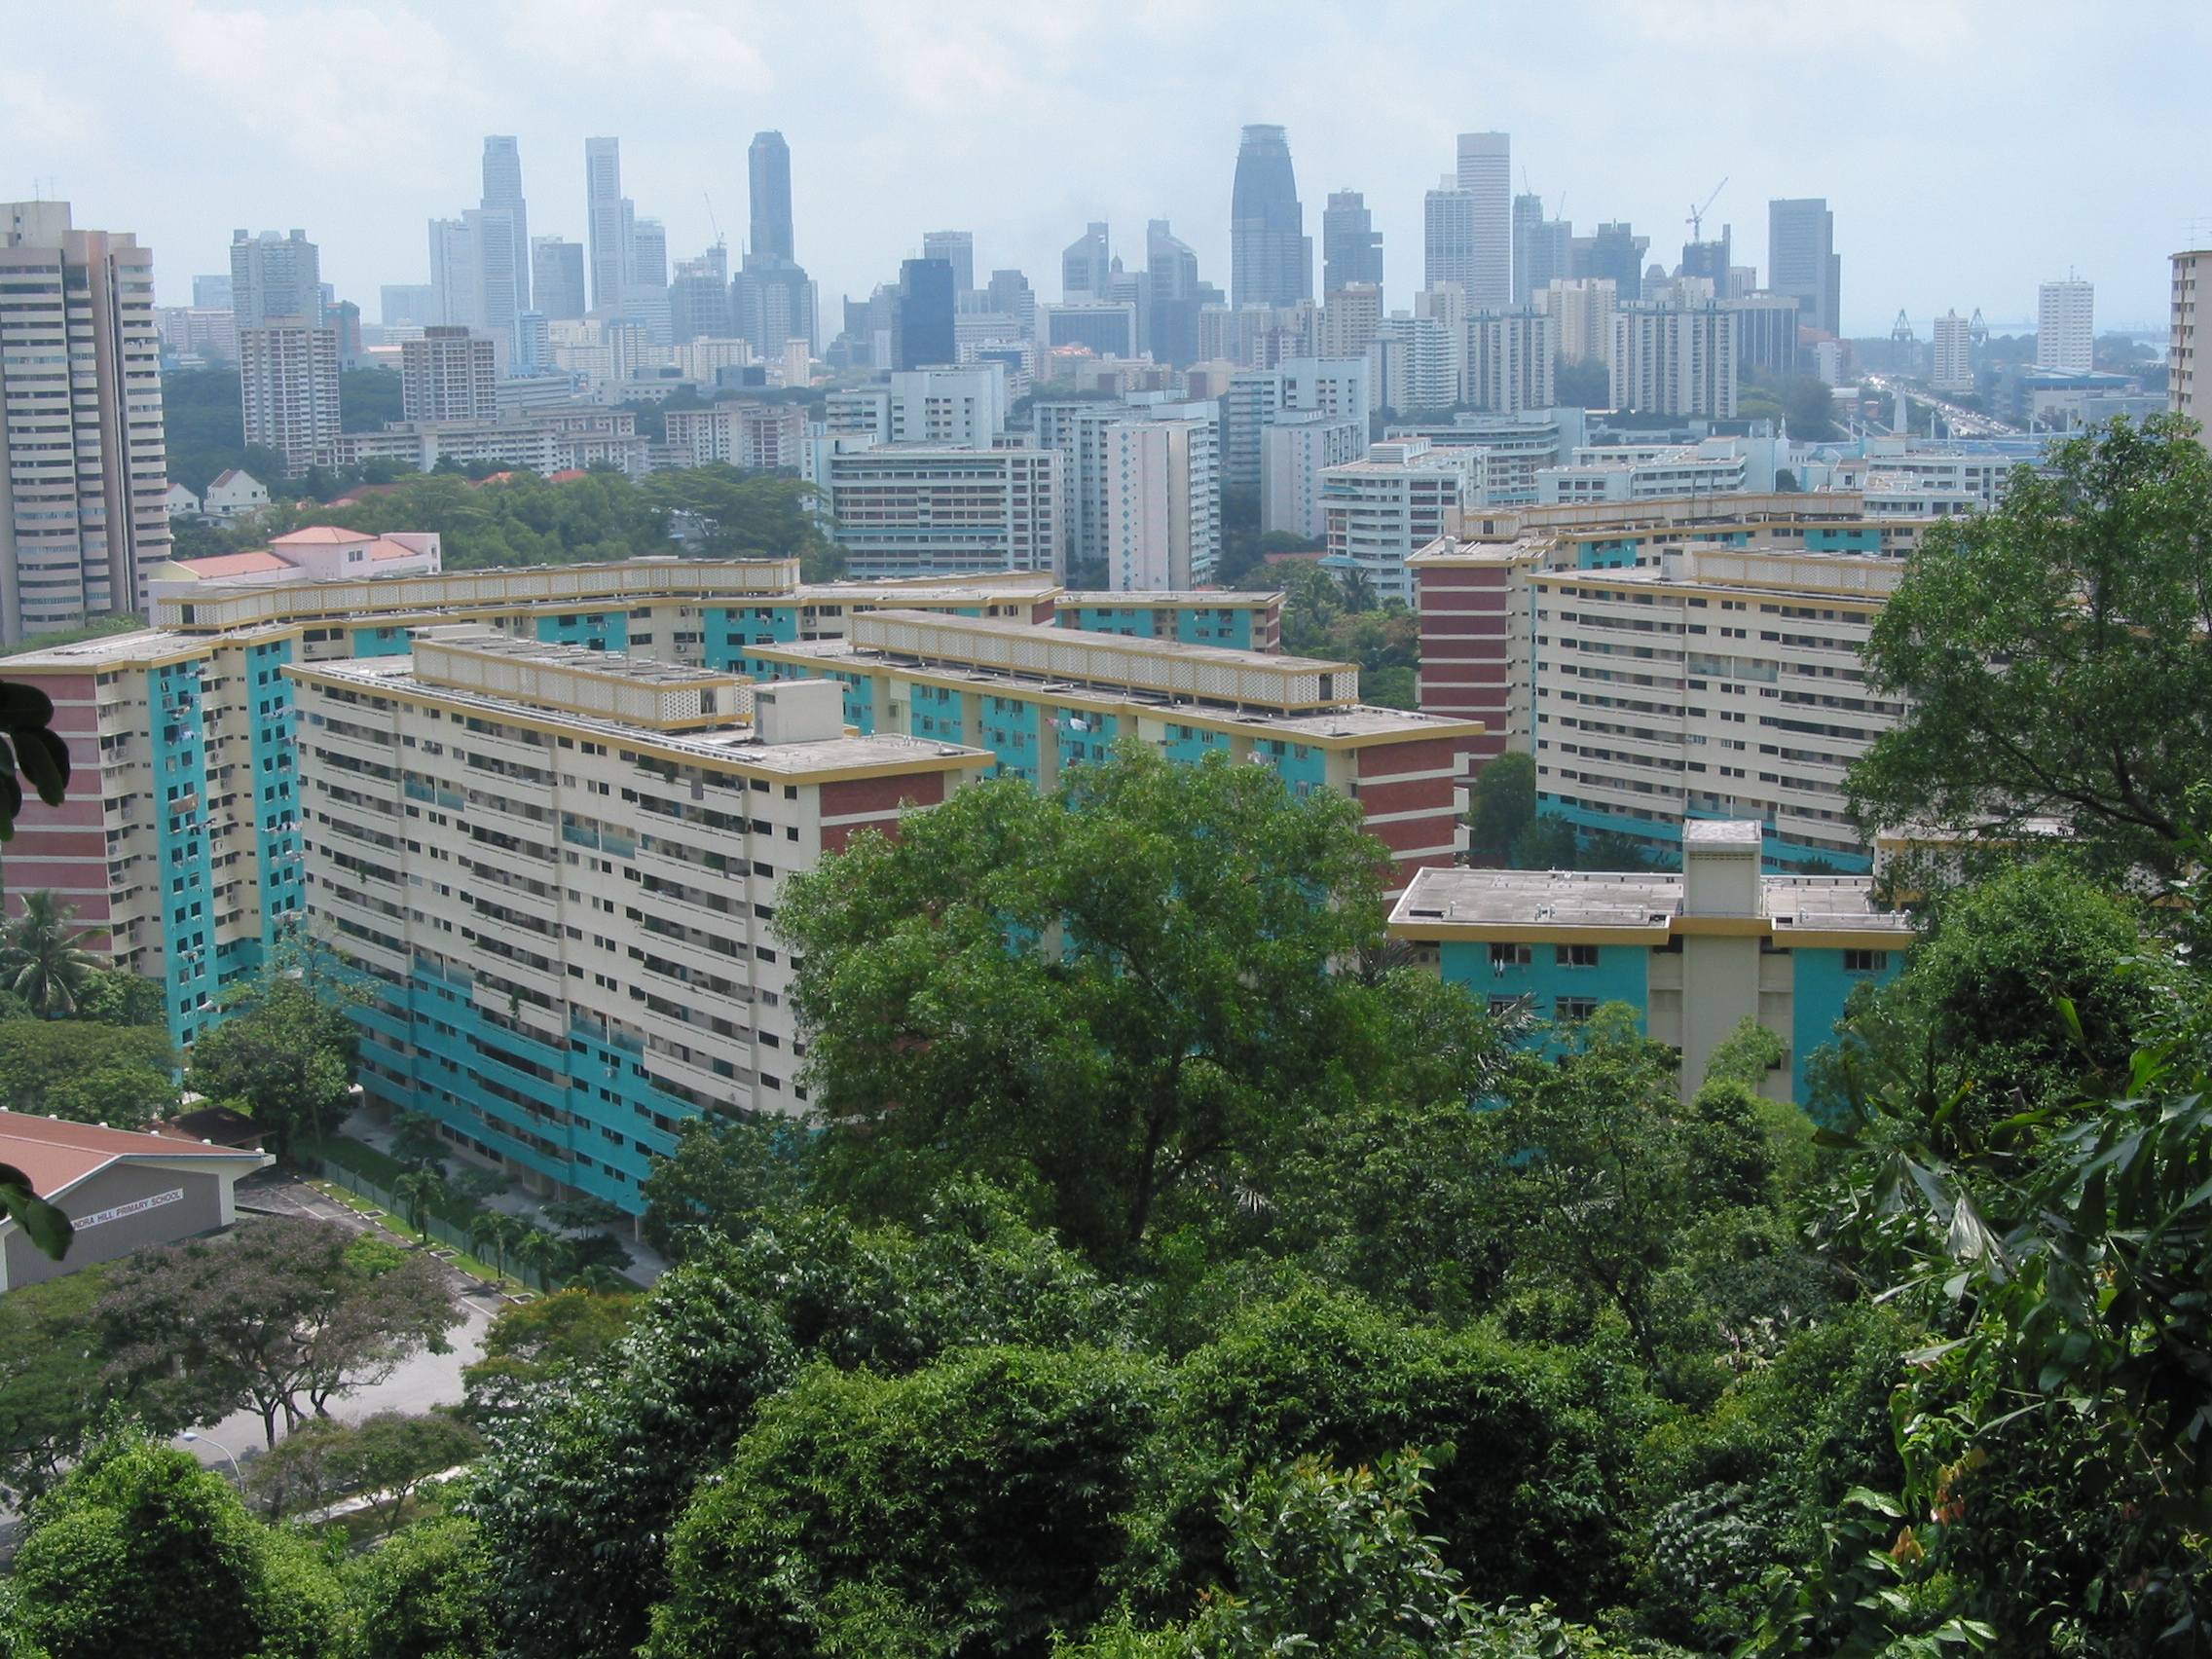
(85, 1072)
(2055, 657)
(285, 1058)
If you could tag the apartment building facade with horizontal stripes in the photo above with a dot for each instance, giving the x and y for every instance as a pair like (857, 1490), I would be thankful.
(561, 870)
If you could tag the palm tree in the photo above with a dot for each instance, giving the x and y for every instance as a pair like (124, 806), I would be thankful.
(512, 1230)
(538, 1250)
(417, 1191)
(483, 1238)
(41, 960)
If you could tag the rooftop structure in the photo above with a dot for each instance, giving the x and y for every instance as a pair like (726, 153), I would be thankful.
(1694, 954)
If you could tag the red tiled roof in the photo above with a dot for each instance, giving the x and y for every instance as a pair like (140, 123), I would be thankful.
(389, 550)
(236, 564)
(56, 1155)
(321, 535)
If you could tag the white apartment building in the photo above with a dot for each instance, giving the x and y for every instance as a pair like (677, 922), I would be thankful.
(85, 481)
(952, 408)
(563, 869)
(1510, 362)
(743, 434)
(1421, 359)
(1162, 505)
(1379, 511)
(1952, 370)
(2187, 393)
(1706, 681)
(1650, 472)
(1513, 448)
(1583, 307)
(1296, 449)
(2066, 325)
(449, 374)
(289, 389)
(927, 509)
(1676, 359)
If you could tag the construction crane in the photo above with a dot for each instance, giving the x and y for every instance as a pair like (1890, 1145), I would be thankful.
(1698, 213)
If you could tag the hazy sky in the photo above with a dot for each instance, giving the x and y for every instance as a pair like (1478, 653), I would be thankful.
(1969, 150)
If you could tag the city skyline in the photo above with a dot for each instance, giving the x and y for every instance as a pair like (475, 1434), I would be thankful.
(686, 88)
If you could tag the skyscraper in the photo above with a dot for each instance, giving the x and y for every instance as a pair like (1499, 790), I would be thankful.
(698, 298)
(1711, 260)
(927, 305)
(1447, 236)
(556, 276)
(85, 477)
(958, 249)
(606, 223)
(288, 387)
(775, 301)
(502, 195)
(1351, 247)
(1485, 173)
(450, 374)
(455, 277)
(1539, 251)
(1085, 265)
(1613, 254)
(1270, 258)
(768, 173)
(1174, 295)
(2066, 325)
(274, 275)
(1802, 261)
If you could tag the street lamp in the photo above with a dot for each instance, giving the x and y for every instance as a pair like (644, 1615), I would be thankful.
(224, 1450)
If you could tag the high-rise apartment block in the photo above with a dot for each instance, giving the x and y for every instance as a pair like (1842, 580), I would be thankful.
(288, 388)
(86, 474)
(1270, 258)
(1675, 358)
(1582, 309)
(1255, 397)
(1510, 362)
(1379, 511)
(1163, 507)
(1296, 449)
(2066, 326)
(1485, 173)
(957, 249)
(929, 510)
(1422, 359)
(754, 435)
(2188, 382)
(450, 374)
(1351, 247)
(1802, 261)
(963, 408)
(1952, 370)
(274, 275)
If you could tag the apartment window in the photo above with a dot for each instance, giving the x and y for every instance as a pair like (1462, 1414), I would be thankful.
(1865, 961)
(1575, 955)
(1512, 955)
(1574, 1008)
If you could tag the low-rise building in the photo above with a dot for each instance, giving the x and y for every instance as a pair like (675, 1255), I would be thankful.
(234, 495)
(1694, 954)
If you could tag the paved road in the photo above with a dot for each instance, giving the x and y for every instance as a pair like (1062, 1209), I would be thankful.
(426, 1381)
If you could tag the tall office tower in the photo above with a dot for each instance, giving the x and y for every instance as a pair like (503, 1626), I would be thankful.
(407, 304)
(212, 293)
(1174, 296)
(1011, 295)
(768, 176)
(1801, 259)
(1086, 266)
(1583, 310)
(1271, 257)
(1614, 253)
(344, 319)
(85, 473)
(456, 284)
(1676, 359)
(1486, 172)
(557, 277)
(1953, 367)
(1711, 260)
(2066, 325)
(606, 223)
(1351, 247)
(648, 253)
(502, 194)
(1448, 235)
(1766, 333)
(288, 387)
(956, 248)
(1539, 251)
(698, 298)
(503, 266)
(529, 344)
(450, 374)
(927, 306)
(274, 275)
(1512, 356)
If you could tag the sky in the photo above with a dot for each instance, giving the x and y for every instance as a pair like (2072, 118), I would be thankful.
(1968, 151)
